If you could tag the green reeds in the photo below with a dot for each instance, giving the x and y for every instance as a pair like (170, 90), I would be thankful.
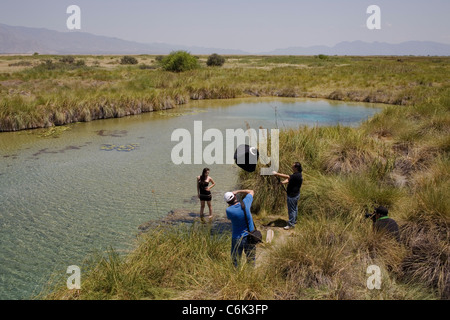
(168, 263)
(365, 79)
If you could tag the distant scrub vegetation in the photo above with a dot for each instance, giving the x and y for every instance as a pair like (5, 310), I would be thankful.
(215, 60)
(63, 64)
(128, 60)
(30, 98)
(179, 61)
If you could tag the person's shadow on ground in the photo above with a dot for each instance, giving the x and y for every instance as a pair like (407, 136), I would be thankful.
(278, 223)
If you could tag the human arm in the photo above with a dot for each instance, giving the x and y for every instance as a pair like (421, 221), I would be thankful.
(198, 186)
(247, 191)
(281, 175)
(212, 185)
(246, 203)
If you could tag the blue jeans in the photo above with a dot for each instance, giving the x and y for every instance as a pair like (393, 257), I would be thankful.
(292, 204)
(239, 245)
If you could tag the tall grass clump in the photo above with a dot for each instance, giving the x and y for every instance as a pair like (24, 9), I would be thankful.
(328, 259)
(168, 263)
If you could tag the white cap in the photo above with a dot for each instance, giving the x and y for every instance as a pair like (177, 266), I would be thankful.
(228, 196)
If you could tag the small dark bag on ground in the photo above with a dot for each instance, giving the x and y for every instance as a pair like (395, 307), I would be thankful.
(255, 236)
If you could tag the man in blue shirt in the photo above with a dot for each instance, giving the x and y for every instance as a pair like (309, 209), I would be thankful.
(239, 225)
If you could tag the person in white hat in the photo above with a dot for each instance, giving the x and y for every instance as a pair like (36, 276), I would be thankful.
(240, 227)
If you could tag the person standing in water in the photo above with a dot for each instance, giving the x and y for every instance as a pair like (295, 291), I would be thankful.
(204, 192)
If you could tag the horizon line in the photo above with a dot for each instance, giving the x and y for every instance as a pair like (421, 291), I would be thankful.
(231, 49)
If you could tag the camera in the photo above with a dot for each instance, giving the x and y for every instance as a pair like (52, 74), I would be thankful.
(370, 215)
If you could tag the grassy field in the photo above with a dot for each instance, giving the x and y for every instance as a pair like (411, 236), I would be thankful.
(44, 91)
(399, 158)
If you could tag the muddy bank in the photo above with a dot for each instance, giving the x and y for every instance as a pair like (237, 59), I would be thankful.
(72, 111)
(183, 216)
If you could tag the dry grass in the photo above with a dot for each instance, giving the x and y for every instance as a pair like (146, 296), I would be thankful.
(33, 94)
(349, 170)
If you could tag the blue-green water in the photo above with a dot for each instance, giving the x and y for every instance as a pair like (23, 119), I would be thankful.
(88, 189)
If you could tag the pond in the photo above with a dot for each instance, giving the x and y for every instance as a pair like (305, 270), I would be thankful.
(72, 190)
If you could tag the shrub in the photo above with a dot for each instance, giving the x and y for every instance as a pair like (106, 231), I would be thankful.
(80, 63)
(179, 61)
(144, 66)
(47, 65)
(128, 60)
(67, 59)
(20, 64)
(215, 60)
(64, 64)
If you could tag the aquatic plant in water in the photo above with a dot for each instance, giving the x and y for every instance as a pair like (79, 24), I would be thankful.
(127, 147)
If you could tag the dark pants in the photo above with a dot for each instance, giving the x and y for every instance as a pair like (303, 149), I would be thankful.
(239, 245)
(292, 204)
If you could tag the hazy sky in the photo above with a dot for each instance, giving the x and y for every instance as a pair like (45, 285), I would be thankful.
(250, 25)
